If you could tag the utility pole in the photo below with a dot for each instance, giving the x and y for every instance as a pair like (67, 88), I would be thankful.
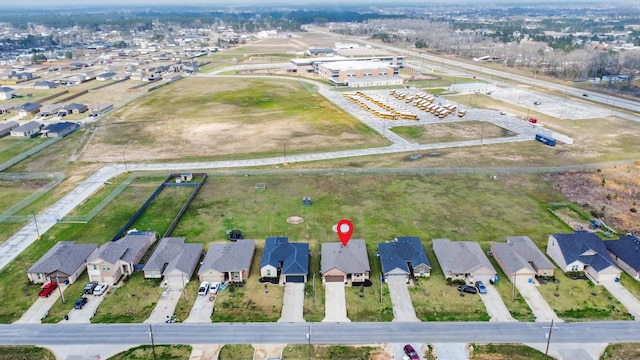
(546, 352)
(35, 221)
(59, 289)
(153, 345)
(284, 153)
(125, 163)
(309, 341)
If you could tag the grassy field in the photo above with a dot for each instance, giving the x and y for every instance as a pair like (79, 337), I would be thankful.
(330, 352)
(622, 351)
(25, 353)
(131, 302)
(236, 352)
(12, 148)
(449, 132)
(504, 351)
(162, 352)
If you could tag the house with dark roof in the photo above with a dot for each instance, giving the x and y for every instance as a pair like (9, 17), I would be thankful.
(173, 260)
(7, 93)
(105, 76)
(60, 129)
(229, 261)
(403, 258)
(73, 108)
(50, 109)
(520, 258)
(45, 85)
(463, 260)
(583, 251)
(30, 129)
(285, 260)
(6, 127)
(346, 264)
(6, 108)
(64, 262)
(116, 259)
(625, 252)
(28, 109)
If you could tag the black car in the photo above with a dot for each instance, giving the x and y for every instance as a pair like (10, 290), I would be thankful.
(80, 303)
(537, 103)
(467, 288)
(88, 289)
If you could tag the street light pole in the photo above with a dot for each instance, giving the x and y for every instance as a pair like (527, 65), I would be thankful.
(153, 344)
(125, 163)
(546, 352)
(61, 293)
(35, 221)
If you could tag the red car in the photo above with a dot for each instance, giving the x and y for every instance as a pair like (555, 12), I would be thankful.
(47, 289)
(411, 352)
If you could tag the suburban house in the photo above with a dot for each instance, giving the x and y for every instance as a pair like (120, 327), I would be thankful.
(28, 109)
(65, 262)
(463, 260)
(73, 108)
(30, 129)
(340, 263)
(100, 109)
(230, 261)
(582, 251)
(105, 76)
(174, 260)
(6, 108)
(403, 258)
(50, 109)
(45, 85)
(60, 129)
(520, 258)
(7, 93)
(116, 259)
(284, 260)
(6, 127)
(625, 252)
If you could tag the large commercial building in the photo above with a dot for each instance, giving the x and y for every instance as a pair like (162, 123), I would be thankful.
(360, 73)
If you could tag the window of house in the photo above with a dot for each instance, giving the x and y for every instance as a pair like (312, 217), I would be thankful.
(39, 276)
(106, 267)
(95, 267)
(574, 267)
(268, 272)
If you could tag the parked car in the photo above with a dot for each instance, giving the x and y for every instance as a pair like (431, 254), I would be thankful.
(88, 289)
(537, 103)
(213, 289)
(503, 113)
(411, 352)
(481, 288)
(101, 289)
(204, 288)
(80, 303)
(47, 289)
(468, 289)
(533, 120)
(585, 95)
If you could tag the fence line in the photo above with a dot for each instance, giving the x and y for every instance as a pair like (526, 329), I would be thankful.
(28, 153)
(9, 214)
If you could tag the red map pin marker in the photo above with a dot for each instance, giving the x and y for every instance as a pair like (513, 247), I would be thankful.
(345, 229)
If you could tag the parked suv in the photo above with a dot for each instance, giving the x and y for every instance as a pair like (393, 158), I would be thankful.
(80, 303)
(204, 288)
(47, 289)
(467, 288)
(88, 289)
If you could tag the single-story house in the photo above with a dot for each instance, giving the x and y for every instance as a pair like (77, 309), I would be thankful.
(116, 259)
(6, 127)
(6, 108)
(403, 258)
(105, 76)
(101, 109)
(340, 263)
(583, 251)
(50, 109)
(625, 252)
(229, 261)
(520, 258)
(30, 129)
(6, 93)
(65, 261)
(284, 260)
(45, 85)
(463, 260)
(73, 108)
(60, 129)
(174, 260)
(29, 109)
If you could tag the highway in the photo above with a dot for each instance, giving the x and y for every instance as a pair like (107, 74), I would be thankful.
(320, 333)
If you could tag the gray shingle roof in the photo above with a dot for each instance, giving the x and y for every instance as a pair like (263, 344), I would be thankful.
(585, 247)
(31, 125)
(229, 257)
(64, 256)
(396, 253)
(626, 248)
(518, 251)
(125, 248)
(350, 259)
(173, 254)
(460, 257)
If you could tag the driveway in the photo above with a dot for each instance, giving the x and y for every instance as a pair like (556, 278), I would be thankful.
(205, 351)
(166, 306)
(292, 304)
(268, 351)
(398, 350)
(201, 310)
(84, 315)
(401, 300)
(450, 351)
(40, 309)
(335, 305)
(494, 305)
(624, 296)
(538, 305)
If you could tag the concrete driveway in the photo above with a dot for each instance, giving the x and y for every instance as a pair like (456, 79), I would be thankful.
(268, 351)
(205, 351)
(398, 350)
(201, 310)
(166, 306)
(494, 305)
(84, 315)
(624, 296)
(401, 300)
(293, 302)
(40, 308)
(451, 351)
(538, 305)
(335, 305)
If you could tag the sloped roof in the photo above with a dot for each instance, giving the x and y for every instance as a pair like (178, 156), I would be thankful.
(398, 252)
(6, 89)
(350, 259)
(294, 256)
(8, 125)
(57, 127)
(229, 256)
(76, 106)
(29, 106)
(585, 247)
(460, 257)
(518, 252)
(125, 248)
(64, 256)
(626, 248)
(45, 83)
(31, 125)
(173, 254)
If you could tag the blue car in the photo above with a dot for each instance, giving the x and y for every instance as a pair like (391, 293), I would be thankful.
(481, 288)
